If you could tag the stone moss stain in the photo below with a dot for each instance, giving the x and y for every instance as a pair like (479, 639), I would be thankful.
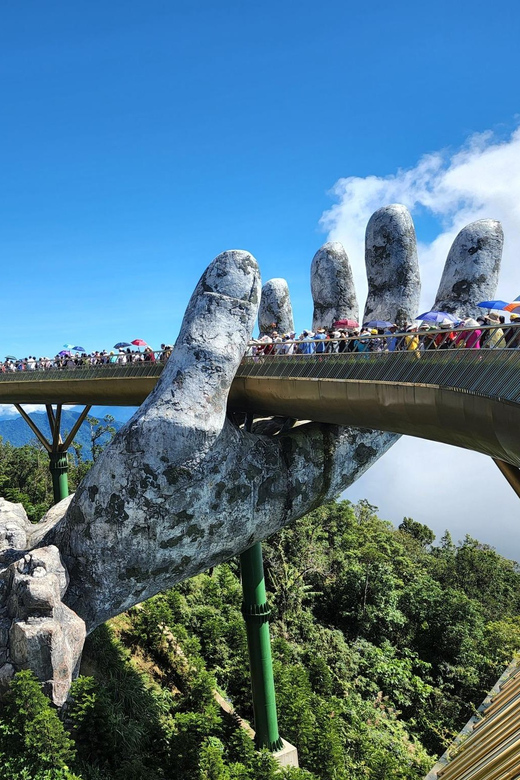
(115, 511)
(175, 474)
(173, 541)
(364, 454)
(194, 532)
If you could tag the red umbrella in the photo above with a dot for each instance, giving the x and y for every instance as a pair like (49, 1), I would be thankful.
(139, 343)
(345, 324)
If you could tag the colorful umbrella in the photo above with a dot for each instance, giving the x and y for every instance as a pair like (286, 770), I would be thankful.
(500, 305)
(379, 324)
(68, 346)
(64, 352)
(345, 324)
(438, 317)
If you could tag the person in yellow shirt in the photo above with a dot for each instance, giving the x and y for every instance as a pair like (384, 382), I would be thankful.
(495, 338)
(412, 340)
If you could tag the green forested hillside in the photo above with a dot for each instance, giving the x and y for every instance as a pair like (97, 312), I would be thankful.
(382, 644)
(16, 431)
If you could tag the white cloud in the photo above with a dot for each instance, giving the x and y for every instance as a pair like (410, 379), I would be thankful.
(442, 486)
(8, 410)
(482, 180)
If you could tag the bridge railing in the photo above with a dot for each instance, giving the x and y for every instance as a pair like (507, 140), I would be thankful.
(85, 366)
(493, 371)
(374, 340)
(482, 360)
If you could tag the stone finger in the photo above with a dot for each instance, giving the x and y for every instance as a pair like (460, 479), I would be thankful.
(327, 459)
(471, 271)
(275, 311)
(216, 328)
(332, 286)
(394, 284)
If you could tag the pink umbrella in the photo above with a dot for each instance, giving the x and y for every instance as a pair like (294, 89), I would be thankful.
(139, 343)
(345, 324)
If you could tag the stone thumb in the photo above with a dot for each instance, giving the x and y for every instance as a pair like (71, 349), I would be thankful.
(215, 330)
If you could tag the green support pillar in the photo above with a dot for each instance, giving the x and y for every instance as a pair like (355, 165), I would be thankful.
(56, 448)
(60, 481)
(256, 615)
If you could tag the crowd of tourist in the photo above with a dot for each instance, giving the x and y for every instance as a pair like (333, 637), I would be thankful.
(67, 359)
(489, 331)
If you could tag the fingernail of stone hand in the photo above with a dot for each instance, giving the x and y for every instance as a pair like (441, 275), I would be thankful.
(275, 308)
(394, 284)
(332, 286)
(233, 274)
(472, 267)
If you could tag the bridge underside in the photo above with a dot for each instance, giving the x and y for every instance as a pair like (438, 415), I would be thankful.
(455, 417)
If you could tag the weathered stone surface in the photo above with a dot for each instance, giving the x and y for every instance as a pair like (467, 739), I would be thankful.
(7, 672)
(332, 286)
(471, 271)
(51, 648)
(30, 646)
(40, 563)
(14, 525)
(49, 520)
(37, 631)
(275, 311)
(5, 625)
(394, 285)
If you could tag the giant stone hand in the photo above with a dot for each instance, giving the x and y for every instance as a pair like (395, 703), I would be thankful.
(181, 487)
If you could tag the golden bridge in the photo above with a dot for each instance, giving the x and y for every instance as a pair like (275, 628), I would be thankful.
(469, 398)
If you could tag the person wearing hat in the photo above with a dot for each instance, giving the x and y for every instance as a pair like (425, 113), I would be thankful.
(362, 344)
(319, 338)
(512, 334)
(412, 341)
(470, 339)
(308, 346)
(492, 338)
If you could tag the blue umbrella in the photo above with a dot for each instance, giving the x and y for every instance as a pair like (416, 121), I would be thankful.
(64, 352)
(379, 324)
(439, 317)
(121, 344)
(500, 305)
(78, 349)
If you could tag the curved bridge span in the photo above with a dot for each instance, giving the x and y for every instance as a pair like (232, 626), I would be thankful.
(468, 398)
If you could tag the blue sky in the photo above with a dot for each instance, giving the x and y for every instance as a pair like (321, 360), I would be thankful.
(140, 139)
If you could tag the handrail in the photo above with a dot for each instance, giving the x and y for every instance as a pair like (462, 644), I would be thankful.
(494, 373)
(417, 339)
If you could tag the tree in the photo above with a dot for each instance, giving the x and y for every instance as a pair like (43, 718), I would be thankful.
(419, 531)
(101, 433)
(32, 737)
